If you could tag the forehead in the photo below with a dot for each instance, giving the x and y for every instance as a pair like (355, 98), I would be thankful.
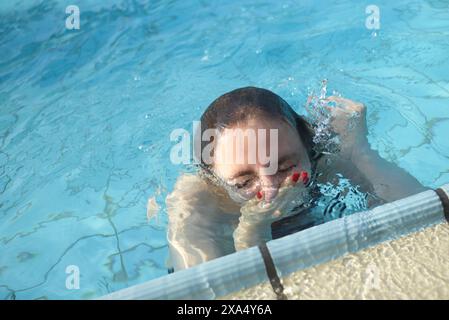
(258, 128)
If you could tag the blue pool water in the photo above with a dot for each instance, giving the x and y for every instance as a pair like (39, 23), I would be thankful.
(86, 114)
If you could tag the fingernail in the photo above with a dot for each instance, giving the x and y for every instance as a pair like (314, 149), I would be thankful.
(304, 177)
(295, 177)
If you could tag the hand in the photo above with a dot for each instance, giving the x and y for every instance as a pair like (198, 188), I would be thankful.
(348, 120)
(256, 219)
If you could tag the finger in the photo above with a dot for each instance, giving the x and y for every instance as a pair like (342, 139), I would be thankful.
(336, 99)
(354, 105)
(347, 106)
(339, 102)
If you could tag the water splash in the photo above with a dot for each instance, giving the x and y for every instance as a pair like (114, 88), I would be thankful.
(341, 199)
(317, 107)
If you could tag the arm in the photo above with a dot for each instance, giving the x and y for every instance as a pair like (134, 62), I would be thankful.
(255, 221)
(251, 232)
(198, 230)
(389, 181)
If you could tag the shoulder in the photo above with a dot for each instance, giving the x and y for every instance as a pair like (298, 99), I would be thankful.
(193, 194)
(189, 180)
(331, 167)
(187, 189)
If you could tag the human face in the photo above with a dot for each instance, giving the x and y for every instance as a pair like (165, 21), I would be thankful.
(250, 178)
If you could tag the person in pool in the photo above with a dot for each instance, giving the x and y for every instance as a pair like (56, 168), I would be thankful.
(238, 203)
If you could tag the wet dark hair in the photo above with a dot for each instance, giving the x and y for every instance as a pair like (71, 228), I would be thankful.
(241, 104)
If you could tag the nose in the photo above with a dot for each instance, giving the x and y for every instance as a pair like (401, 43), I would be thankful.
(270, 187)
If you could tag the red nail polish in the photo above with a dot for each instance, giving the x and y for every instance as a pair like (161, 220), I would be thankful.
(295, 177)
(304, 177)
(259, 195)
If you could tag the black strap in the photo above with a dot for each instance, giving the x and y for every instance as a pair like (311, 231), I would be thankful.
(444, 201)
(271, 272)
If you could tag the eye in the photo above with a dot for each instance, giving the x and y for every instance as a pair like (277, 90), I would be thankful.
(287, 168)
(243, 184)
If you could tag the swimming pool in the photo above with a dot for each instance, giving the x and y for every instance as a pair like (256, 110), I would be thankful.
(86, 114)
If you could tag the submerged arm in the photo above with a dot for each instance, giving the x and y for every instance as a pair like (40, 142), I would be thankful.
(251, 233)
(198, 229)
(389, 181)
